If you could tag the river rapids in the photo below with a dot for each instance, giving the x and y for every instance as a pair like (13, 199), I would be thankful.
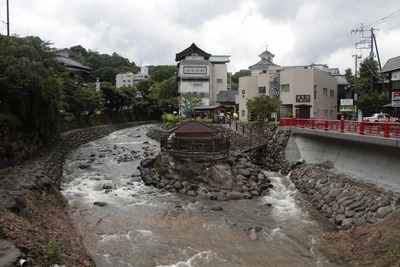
(125, 223)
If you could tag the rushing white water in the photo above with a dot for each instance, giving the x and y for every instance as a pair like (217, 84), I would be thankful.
(135, 225)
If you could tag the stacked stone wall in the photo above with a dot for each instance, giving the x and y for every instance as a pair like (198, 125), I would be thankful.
(346, 202)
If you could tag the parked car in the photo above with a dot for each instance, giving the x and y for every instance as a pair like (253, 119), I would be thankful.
(381, 117)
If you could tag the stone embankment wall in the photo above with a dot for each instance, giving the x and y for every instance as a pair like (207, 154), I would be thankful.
(33, 211)
(272, 158)
(346, 202)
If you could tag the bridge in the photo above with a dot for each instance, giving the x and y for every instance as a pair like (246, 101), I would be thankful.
(366, 150)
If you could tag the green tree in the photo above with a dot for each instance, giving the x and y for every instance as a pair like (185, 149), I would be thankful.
(372, 102)
(235, 78)
(31, 82)
(82, 100)
(190, 100)
(262, 106)
(368, 85)
(104, 66)
(116, 99)
(164, 73)
(165, 94)
(369, 79)
(143, 87)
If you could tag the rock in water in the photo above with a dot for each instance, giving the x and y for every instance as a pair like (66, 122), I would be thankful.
(253, 235)
(99, 203)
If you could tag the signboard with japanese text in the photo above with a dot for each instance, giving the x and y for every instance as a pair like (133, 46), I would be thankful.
(303, 98)
(396, 99)
(194, 70)
(346, 102)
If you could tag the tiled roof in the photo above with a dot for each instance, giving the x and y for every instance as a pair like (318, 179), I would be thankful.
(193, 127)
(392, 64)
(207, 107)
(70, 63)
(190, 50)
(262, 64)
(227, 96)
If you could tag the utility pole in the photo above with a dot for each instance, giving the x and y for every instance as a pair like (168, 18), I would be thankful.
(368, 42)
(354, 96)
(8, 20)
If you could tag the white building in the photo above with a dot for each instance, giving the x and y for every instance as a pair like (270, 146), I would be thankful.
(128, 79)
(202, 73)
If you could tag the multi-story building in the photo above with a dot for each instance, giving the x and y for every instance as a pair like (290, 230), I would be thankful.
(201, 73)
(392, 69)
(304, 91)
(129, 79)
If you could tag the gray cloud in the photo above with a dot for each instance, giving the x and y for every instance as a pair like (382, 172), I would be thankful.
(298, 31)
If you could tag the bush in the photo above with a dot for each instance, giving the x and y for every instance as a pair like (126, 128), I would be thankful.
(53, 250)
(170, 120)
(9, 123)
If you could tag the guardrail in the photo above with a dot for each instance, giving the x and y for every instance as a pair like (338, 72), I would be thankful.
(385, 129)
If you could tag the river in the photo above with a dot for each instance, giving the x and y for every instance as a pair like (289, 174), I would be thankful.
(135, 225)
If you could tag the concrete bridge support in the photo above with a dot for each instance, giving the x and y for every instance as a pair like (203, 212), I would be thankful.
(372, 159)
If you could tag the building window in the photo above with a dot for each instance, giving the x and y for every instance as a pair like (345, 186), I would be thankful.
(123, 81)
(331, 93)
(315, 92)
(325, 92)
(243, 113)
(262, 90)
(219, 80)
(325, 113)
(331, 113)
(243, 92)
(395, 85)
(285, 87)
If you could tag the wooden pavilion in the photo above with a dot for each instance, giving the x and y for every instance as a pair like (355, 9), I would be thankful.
(195, 139)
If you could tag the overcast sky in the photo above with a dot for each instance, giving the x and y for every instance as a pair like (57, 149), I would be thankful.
(151, 32)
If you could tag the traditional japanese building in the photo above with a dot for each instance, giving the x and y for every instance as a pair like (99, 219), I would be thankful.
(194, 139)
(202, 74)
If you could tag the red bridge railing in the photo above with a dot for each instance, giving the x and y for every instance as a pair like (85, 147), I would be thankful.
(385, 129)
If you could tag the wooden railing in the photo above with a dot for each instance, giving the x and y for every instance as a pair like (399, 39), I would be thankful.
(385, 129)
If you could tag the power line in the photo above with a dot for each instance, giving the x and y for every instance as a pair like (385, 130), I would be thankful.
(384, 18)
(394, 27)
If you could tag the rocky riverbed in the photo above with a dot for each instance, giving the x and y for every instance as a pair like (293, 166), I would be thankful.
(34, 222)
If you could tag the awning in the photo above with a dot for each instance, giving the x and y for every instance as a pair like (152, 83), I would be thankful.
(390, 105)
(302, 105)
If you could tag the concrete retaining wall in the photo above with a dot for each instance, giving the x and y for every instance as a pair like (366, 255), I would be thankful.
(372, 159)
